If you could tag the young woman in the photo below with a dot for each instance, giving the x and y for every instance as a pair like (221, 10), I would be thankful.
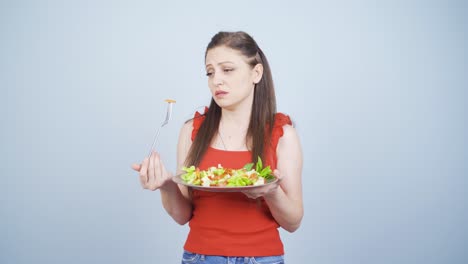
(240, 125)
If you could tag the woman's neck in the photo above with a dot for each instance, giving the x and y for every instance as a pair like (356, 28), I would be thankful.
(232, 130)
(238, 118)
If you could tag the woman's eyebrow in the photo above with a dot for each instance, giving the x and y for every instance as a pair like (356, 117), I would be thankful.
(224, 62)
(219, 63)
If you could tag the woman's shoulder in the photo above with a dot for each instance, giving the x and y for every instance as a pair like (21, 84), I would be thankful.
(282, 119)
(193, 125)
(282, 126)
(187, 126)
(186, 131)
(285, 134)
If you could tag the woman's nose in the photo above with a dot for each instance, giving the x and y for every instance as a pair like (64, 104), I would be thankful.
(217, 79)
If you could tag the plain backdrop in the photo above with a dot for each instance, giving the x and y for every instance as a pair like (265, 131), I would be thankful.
(377, 91)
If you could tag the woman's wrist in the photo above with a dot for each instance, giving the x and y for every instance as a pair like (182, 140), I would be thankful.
(168, 186)
(273, 194)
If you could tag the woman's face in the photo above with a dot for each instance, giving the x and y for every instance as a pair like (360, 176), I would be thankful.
(230, 78)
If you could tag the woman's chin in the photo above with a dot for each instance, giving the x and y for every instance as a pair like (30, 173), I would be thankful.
(223, 103)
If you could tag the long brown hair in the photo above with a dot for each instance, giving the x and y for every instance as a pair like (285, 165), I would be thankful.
(263, 108)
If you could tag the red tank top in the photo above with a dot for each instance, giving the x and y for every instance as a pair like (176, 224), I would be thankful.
(230, 224)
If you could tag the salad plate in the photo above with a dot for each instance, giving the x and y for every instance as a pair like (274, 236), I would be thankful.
(219, 179)
(178, 179)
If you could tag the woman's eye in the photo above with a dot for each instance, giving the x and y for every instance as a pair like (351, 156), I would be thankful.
(209, 74)
(228, 70)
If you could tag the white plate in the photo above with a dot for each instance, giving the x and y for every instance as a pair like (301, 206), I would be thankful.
(177, 179)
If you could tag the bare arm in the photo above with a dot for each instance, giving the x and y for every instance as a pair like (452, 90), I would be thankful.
(181, 211)
(153, 176)
(285, 202)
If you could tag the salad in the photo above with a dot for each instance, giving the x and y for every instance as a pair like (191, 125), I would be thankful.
(225, 177)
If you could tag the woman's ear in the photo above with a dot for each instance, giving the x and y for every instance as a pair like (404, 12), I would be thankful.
(257, 73)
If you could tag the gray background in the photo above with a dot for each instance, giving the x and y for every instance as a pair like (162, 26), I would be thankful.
(377, 91)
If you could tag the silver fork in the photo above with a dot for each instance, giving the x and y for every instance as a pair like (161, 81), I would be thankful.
(166, 121)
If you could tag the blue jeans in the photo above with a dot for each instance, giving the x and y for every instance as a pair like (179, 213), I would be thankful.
(193, 258)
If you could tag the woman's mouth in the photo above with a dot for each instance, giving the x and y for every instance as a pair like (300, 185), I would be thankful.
(220, 93)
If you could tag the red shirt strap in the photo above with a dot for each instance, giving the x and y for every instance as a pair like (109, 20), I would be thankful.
(197, 121)
(277, 132)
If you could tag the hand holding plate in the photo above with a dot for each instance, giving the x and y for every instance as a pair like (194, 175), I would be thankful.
(265, 189)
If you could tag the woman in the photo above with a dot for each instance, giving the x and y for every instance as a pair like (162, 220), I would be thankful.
(240, 125)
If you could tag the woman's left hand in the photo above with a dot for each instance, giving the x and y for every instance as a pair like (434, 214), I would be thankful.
(264, 190)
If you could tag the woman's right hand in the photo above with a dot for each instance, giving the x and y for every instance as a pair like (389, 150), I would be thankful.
(153, 174)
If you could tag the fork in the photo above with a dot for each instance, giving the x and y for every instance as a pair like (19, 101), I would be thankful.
(170, 102)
